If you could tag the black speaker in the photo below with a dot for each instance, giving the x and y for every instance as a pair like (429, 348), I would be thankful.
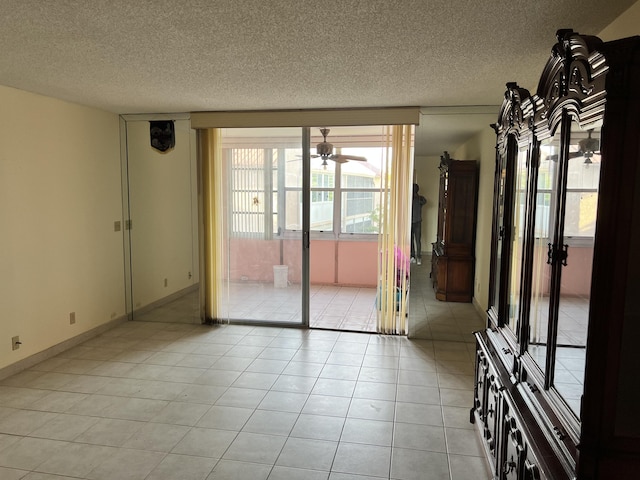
(162, 134)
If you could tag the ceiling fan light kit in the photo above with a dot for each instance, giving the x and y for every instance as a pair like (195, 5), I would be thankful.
(324, 151)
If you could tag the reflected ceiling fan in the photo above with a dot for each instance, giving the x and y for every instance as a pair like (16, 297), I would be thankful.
(587, 147)
(324, 151)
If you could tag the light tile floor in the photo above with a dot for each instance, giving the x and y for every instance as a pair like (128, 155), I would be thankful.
(167, 398)
(160, 401)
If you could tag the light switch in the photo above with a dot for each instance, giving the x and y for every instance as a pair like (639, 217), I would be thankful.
(117, 226)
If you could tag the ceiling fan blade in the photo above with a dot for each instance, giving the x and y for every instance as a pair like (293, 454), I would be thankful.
(345, 158)
(338, 159)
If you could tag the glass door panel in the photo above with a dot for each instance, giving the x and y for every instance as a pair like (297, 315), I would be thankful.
(262, 238)
(545, 201)
(323, 182)
(583, 178)
(517, 237)
(500, 231)
(504, 185)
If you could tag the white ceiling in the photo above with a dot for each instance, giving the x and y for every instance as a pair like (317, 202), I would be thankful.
(142, 56)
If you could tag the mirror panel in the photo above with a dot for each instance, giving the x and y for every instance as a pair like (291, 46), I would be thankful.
(583, 178)
(545, 201)
(517, 237)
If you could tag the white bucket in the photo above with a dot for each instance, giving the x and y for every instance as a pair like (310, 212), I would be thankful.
(280, 276)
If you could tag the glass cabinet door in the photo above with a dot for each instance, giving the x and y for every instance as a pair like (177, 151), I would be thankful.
(503, 217)
(566, 201)
(500, 206)
(543, 225)
(579, 221)
(517, 238)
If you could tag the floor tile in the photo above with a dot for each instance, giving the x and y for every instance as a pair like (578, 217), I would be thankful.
(371, 432)
(23, 422)
(464, 467)
(241, 397)
(419, 437)
(288, 473)
(362, 459)
(308, 454)
(12, 473)
(77, 460)
(204, 394)
(183, 467)
(110, 431)
(372, 409)
(255, 448)
(284, 401)
(327, 405)
(235, 470)
(457, 417)
(255, 380)
(318, 427)
(294, 384)
(375, 391)
(409, 464)
(65, 427)
(271, 422)
(181, 413)
(156, 437)
(127, 464)
(329, 386)
(225, 418)
(27, 453)
(460, 441)
(205, 442)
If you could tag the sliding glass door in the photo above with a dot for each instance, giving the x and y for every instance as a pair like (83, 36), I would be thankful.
(262, 216)
(276, 192)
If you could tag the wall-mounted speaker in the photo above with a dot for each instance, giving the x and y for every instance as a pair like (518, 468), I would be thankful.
(162, 134)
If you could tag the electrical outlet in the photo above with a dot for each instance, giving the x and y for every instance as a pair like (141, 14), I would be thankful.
(72, 318)
(15, 343)
(166, 282)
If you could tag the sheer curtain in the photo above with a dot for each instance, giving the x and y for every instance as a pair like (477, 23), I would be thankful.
(210, 144)
(395, 225)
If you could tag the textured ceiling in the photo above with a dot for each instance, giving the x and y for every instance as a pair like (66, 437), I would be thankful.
(139, 56)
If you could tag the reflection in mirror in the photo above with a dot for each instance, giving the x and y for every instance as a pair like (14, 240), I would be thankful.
(579, 230)
(517, 236)
(163, 238)
(495, 291)
(542, 236)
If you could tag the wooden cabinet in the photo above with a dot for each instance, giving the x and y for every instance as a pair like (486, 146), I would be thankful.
(453, 254)
(557, 367)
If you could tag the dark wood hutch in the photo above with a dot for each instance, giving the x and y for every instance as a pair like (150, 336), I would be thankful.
(453, 252)
(557, 385)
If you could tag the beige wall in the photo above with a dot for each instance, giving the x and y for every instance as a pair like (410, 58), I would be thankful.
(481, 147)
(626, 25)
(60, 194)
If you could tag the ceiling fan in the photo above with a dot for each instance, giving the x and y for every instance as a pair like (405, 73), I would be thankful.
(324, 151)
(587, 147)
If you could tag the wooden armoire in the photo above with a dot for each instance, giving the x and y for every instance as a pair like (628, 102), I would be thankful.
(557, 387)
(453, 252)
